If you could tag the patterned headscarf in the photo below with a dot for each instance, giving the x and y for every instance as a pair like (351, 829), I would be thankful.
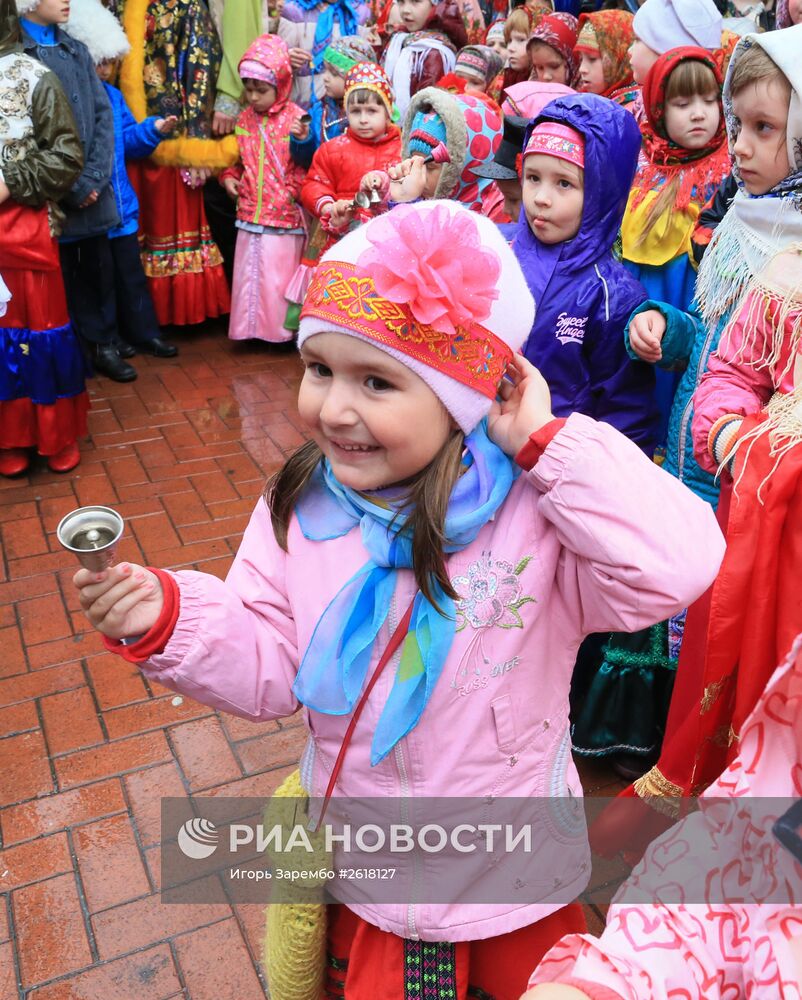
(694, 166)
(268, 59)
(344, 53)
(559, 32)
(608, 34)
(481, 60)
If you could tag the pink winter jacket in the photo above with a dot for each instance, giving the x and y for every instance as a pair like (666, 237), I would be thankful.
(595, 538)
(270, 182)
(742, 950)
(735, 381)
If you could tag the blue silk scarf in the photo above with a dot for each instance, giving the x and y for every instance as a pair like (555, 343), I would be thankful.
(335, 665)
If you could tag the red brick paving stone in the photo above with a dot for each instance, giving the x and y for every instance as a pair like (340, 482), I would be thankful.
(216, 963)
(153, 714)
(74, 647)
(131, 754)
(244, 729)
(252, 918)
(32, 586)
(42, 619)
(155, 534)
(34, 861)
(256, 786)
(272, 750)
(227, 527)
(96, 490)
(109, 861)
(51, 940)
(145, 792)
(213, 486)
(18, 718)
(148, 975)
(204, 754)
(21, 569)
(155, 453)
(125, 471)
(24, 769)
(14, 511)
(70, 721)
(8, 983)
(215, 567)
(115, 681)
(148, 921)
(12, 658)
(65, 809)
(40, 682)
(23, 537)
(4, 928)
(186, 508)
(186, 555)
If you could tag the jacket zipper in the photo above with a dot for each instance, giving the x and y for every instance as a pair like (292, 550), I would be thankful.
(403, 775)
(258, 213)
(686, 413)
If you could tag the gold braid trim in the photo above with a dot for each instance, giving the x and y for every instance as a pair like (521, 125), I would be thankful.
(658, 791)
(216, 154)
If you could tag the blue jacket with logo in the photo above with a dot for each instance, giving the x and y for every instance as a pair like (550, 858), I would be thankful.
(583, 295)
(132, 141)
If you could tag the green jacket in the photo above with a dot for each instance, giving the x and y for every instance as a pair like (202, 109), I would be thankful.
(49, 166)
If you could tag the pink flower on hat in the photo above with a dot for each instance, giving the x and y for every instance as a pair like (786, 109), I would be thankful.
(435, 263)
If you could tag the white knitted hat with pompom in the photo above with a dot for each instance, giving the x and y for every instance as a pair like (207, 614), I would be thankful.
(97, 28)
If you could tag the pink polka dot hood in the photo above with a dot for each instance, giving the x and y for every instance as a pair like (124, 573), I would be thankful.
(471, 130)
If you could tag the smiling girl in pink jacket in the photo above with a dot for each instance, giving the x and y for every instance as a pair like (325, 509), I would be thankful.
(437, 494)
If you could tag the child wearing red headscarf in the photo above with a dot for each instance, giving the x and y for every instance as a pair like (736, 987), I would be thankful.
(551, 50)
(602, 50)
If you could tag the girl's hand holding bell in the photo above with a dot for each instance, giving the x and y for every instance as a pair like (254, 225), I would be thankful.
(123, 601)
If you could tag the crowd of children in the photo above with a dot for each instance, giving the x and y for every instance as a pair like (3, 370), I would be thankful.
(542, 266)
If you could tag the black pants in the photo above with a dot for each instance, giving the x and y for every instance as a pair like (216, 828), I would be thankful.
(89, 283)
(136, 317)
(107, 291)
(221, 214)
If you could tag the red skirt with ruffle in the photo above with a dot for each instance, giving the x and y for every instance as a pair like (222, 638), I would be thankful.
(182, 262)
(43, 400)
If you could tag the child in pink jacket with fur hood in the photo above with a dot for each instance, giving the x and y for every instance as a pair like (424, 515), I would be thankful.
(266, 185)
(437, 501)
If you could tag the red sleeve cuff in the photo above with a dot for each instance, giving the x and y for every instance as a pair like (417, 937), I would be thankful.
(529, 455)
(154, 641)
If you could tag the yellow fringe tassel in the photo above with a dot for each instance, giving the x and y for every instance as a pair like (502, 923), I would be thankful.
(661, 794)
(215, 154)
(295, 936)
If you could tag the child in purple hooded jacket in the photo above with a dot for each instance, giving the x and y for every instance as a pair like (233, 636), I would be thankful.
(564, 244)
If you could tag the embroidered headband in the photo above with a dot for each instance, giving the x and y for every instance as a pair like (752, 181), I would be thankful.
(347, 296)
(555, 139)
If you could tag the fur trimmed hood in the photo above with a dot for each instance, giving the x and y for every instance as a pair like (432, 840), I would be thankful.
(98, 29)
(473, 130)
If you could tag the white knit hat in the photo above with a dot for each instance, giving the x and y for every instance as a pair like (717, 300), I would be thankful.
(443, 265)
(668, 24)
(97, 28)
(26, 6)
